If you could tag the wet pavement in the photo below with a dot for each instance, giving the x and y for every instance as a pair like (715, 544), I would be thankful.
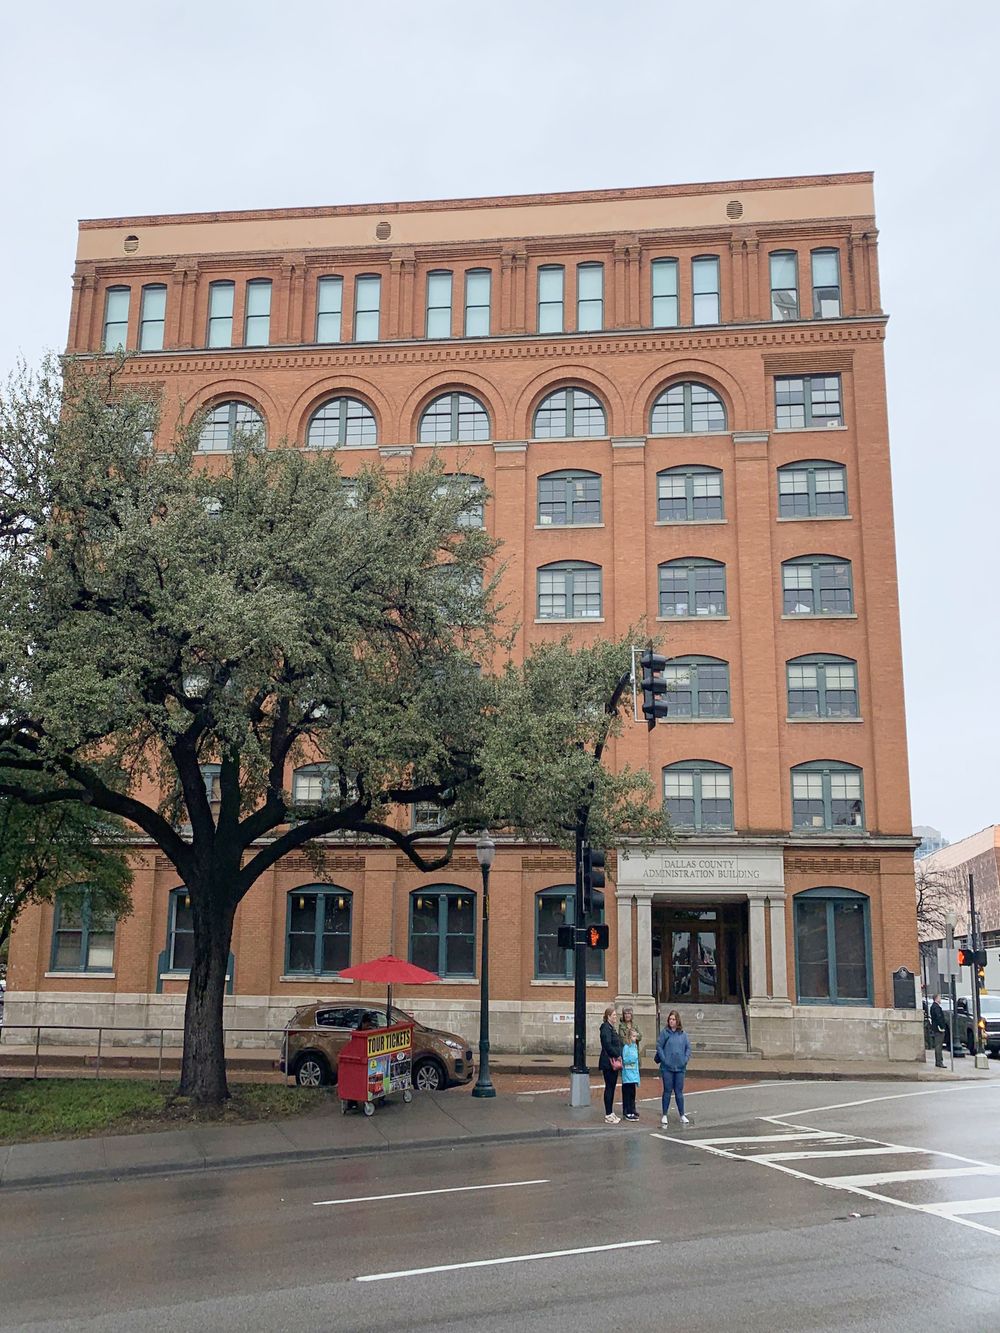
(819, 1206)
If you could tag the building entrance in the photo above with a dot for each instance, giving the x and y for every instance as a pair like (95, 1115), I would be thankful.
(700, 953)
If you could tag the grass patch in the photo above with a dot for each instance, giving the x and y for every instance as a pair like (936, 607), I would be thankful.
(71, 1108)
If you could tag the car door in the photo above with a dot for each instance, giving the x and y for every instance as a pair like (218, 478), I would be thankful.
(337, 1024)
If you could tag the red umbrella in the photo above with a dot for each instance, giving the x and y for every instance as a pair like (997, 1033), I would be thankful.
(390, 971)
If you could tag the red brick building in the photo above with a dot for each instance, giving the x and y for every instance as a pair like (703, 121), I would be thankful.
(675, 398)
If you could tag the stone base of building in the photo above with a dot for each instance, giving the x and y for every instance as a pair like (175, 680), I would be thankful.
(778, 1029)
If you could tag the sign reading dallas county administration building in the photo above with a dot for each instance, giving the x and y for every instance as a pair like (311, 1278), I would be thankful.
(699, 868)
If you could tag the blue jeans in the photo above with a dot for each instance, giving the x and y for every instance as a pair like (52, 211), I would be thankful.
(673, 1082)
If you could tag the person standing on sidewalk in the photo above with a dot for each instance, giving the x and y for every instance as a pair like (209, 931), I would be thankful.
(628, 1021)
(630, 1072)
(939, 1028)
(673, 1051)
(610, 1063)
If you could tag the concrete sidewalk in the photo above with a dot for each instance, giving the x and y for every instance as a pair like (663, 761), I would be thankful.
(432, 1120)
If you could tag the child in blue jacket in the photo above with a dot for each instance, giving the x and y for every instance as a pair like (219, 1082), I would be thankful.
(630, 1073)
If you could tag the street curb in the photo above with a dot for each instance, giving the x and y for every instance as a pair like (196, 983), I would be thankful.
(293, 1157)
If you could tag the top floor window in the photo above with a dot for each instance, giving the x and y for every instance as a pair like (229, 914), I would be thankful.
(589, 297)
(453, 417)
(257, 320)
(341, 421)
(329, 309)
(439, 305)
(367, 299)
(116, 304)
(551, 280)
(803, 401)
(705, 289)
(152, 315)
(228, 423)
(812, 489)
(688, 408)
(477, 302)
(784, 285)
(666, 307)
(221, 296)
(826, 284)
(569, 414)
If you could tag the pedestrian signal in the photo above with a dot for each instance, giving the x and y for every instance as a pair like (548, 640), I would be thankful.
(598, 936)
(965, 957)
(565, 937)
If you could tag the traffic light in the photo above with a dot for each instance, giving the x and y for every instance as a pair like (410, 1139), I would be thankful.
(653, 686)
(981, 978)
(965, 957)
(598, 936)
(973, 958)
(594, 862)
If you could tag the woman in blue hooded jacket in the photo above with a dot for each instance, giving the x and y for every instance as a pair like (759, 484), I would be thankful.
(673, 1051)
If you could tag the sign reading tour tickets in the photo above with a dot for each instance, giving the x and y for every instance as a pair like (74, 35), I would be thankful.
(389, 1061)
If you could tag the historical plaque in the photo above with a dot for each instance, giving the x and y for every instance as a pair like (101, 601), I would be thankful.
(904, 989)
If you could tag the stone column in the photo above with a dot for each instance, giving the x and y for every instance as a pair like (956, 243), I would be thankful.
(644, 939)
(626, 982)
(758, 949)
(779, 962)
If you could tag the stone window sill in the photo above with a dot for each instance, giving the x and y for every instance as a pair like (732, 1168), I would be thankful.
(571, 620)
(821, 615)
(80, 975)
(700, 721)
(814, 518)
(690, 522)
(324, 979)
(689, 619)
(567, 984)
(824, 720)
(562, 527)
(801, 430)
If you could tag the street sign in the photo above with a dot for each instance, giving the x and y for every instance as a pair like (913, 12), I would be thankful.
(948, 962)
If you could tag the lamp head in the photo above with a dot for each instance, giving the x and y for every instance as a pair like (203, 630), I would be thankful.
(485, 850)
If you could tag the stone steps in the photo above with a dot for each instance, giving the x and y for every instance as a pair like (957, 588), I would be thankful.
(715, 1029)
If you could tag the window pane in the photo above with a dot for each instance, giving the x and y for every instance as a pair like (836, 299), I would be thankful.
(477, 304)
(336, 952)
(590, 297)
(705, 285)
(329, 307)
(258, 298)
(301, 953)
(67, 954)
(424, 951)
(367, 294)
(550, 418)
(664, 277)
(826, 284)
(550, 284)
(116, 318)
(101, 950)
(812, 950)
(851, 951)
(154, 307)
(439, 305)
(183, 953)
(220, 314)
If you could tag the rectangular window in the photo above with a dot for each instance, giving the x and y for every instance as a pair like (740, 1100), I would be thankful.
(801, 402)
(439, 305)
(784, 285)
(319, 932)
(666, 311)
(116, 304)
(181, 933)
(443, 933)
(257, 324)
(477, 303)
(83, 941)
(831, 950)
(152, 314)
(220, 314)
(367, 297)
(329, 309)
(589, 297)
(550, 298)
(705, 289)
(826, 284)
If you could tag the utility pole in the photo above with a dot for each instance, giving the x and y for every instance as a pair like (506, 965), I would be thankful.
(949, 944)
(982, 1060)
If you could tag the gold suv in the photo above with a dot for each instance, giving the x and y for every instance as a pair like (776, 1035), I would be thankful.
(317, 1033)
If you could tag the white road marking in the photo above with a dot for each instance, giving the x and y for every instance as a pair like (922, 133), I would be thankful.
(966, 1206)
(897, 1177)
(833, 1152)
(888, 1097)
(769, 1138)
(505, 1259)
(544, 1092)
(419, 1194)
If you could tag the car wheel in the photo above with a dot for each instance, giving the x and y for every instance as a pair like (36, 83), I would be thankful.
(428, 1075)
(311, 1071)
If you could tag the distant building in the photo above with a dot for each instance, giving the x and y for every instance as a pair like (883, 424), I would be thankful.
(979, 856)
(931, 840)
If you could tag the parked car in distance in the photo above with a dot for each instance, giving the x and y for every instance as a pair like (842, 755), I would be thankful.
(316, 1034)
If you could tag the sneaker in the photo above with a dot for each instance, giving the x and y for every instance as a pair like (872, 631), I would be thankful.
(633, 1116)
(685, 1120)
(612, 1119)
(663, 1120)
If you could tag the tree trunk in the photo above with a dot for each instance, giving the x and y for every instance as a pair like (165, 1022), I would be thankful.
(203, 1069)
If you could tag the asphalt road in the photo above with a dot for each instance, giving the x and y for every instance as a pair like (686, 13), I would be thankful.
(815, 1206)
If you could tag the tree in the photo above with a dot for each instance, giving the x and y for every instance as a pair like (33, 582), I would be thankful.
(50, 848)
(937, 894)
(162, 611)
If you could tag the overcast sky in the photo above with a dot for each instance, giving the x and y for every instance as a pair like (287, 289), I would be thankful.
(159, 107)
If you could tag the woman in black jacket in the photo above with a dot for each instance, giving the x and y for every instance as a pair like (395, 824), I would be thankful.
(610, 1063)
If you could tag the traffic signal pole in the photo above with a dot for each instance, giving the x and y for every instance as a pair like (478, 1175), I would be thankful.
(982, 1060)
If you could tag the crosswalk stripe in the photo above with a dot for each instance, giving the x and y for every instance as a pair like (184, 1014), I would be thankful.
(809, 1155)
(896, 1177)
(963, 1207)
(768, 1138)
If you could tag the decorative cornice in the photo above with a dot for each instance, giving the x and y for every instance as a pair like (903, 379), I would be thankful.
(629, 442)
(510, 446)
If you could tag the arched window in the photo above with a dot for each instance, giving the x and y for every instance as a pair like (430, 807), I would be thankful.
(691, 494)
(697, 687)
(827, 797)
(812, 488)
(817, 585)
(692, 587)
(228, 423)
(83, 939)
(569, 590)
(826, 284)
(443, 930)
(472, 515)
(318, 930)
(453, 417)
(822, 685)
(116, 304)
(784, 284)
(555, 907)
(569, 414)
(569, 498)
(341, 421)
(180, 931)
(832, 947)
(687, 408)
(698, 795)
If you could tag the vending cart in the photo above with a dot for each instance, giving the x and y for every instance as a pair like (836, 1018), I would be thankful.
(374, 1064)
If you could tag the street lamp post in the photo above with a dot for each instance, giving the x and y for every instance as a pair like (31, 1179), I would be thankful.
(485, 849)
